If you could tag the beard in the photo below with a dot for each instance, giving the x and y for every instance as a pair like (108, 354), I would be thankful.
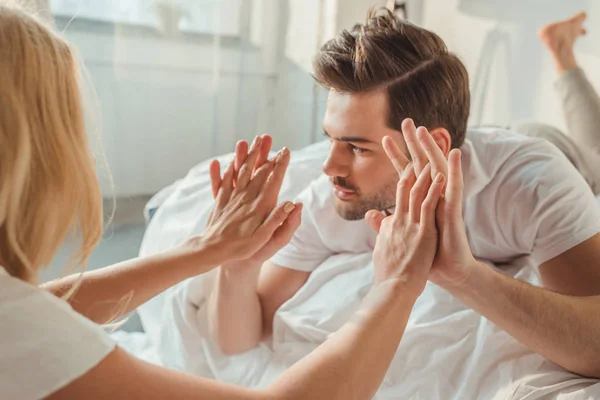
(355, 209)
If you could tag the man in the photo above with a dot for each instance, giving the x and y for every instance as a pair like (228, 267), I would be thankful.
(521, 197)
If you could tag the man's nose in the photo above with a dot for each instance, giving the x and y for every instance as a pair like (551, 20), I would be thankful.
(338, 163)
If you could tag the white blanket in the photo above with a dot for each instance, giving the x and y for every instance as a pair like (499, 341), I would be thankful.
(448, 351)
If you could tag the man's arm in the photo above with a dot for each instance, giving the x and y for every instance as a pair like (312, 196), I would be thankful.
(575, 272)
(276, 285)
(563, 328)
(244, 300)
(558, 322)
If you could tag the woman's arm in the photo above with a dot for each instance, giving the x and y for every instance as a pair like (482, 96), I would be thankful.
(108, 293)
(244, 219)
(352, 363)
(348, 366)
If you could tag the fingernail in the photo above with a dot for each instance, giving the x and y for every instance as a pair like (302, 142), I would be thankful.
(285, 151)
(439, 177)
(289, 207)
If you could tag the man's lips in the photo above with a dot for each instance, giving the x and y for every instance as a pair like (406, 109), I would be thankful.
(343, 194)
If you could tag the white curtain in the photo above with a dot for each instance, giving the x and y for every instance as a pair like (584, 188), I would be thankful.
(179, 81)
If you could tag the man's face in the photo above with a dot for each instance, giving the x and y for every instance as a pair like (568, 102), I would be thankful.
(362, 176)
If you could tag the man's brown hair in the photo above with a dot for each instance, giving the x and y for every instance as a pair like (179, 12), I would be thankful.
(422, 79)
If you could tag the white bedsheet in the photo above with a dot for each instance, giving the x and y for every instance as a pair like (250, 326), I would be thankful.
(448, 351)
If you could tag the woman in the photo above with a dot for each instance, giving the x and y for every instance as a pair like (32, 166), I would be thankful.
(579, 101)
(51, 346)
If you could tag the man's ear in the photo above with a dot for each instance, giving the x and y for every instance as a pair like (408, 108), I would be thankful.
(442, 137)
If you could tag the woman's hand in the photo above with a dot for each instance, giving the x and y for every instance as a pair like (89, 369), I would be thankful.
(454, 260)
(407, 240)
(246, 223)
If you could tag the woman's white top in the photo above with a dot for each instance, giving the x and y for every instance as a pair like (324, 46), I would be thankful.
(44, 343)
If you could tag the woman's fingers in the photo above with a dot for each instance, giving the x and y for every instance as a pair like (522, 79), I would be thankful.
(241, 152)
(430, 204)
(419, 158)
(275, 180)
(396, 156)
(283, 234)
(274, 220)
(226, 186)
(405, 184)
(259, 179)
(265, 148)
(418, 193)
(214, 171)
(247, 168)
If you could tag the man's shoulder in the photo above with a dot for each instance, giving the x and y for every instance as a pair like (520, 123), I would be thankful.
(493, 154)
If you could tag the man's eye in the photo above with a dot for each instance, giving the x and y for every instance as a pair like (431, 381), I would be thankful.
(358, 150)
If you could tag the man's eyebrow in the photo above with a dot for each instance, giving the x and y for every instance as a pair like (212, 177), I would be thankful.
(355, 139)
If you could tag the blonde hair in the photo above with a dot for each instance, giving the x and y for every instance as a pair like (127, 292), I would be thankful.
(48, 181)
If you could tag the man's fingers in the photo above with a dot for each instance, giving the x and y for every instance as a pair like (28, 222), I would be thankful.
(405, 184)
(418, 193)
(435, 156)
(247, 168)
(430, 204)
(419, 158)
(214, 170)
(396, 156)
(454, 191)
(374, 219)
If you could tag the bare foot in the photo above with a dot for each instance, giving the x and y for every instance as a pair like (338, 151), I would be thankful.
(559, 38)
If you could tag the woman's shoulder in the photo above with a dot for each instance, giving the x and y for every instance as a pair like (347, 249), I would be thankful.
(43, 335)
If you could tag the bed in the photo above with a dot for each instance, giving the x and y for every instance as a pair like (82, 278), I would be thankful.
(448, 351)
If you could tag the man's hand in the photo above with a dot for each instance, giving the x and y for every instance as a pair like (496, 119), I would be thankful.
(454, 260)
(247, 166)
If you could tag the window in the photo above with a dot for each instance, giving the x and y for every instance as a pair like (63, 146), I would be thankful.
(170, 16)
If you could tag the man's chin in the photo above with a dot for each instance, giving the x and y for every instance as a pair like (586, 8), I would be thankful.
(348, 210)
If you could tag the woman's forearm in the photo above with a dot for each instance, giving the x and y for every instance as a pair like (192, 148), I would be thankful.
(111, 292)
(349, 365)
(352, 363)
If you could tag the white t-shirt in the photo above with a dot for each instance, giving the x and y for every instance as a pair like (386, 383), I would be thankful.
(44, 343)
(522, 197)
